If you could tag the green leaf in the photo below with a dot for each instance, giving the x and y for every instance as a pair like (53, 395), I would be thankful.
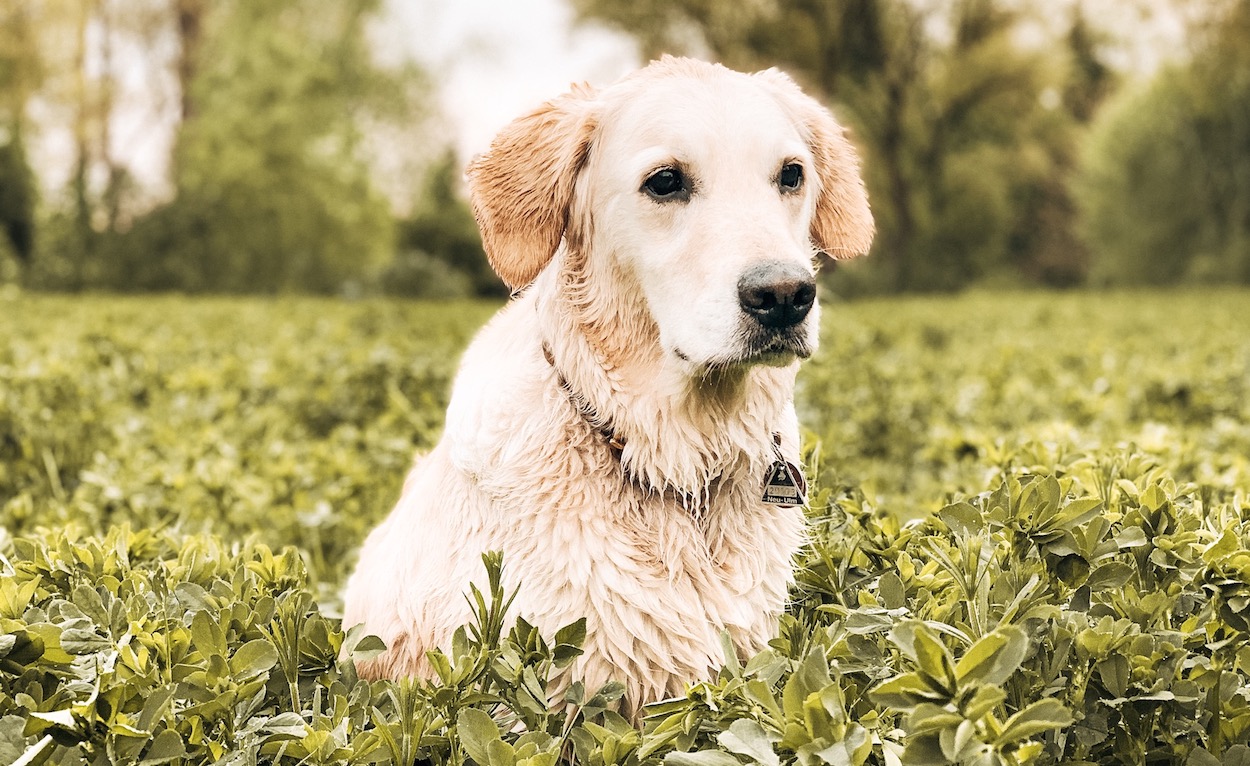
(1111, 575)
(993, 658)
(500, 753)
(925, 750)
(962, 519)
(1200, 756)
(985, 699)
(905, 692)
(746, 737)
(701, 758)
(762, 694)
(50, 636)
(1131, 537)
(862, 622)
(1237, 755)
(1228, 544)
(477, 731)
(207, 635)
(166, 747)
(929, 717)
(893, 592)
(368, 648)
(808, 678)
(1078, 512)
(924, 648)
(1041, 716)
(253, 659)
(14, 598)
(38, 722)
(568, 643)
(959, 743)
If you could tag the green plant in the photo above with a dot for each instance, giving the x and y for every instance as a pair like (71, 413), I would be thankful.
(180, 495)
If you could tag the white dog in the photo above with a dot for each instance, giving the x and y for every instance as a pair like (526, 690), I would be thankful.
(624, 430)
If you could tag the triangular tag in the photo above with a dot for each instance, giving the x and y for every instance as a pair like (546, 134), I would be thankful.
(784, 485)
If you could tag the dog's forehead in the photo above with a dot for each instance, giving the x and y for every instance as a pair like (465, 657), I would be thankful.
(691, 115)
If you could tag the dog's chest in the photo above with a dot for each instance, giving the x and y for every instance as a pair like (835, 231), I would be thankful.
(657, 585)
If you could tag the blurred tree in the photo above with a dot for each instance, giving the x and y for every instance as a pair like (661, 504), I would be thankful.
(951, 112)
(75, 44)
(440, 251)
(1164, 188)
(1045, 245)
(19, 65)
(189, 22)
(272, 177)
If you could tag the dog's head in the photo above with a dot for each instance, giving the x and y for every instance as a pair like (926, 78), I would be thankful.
(710, 190)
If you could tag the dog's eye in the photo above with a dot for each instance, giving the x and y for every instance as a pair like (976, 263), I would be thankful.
(667, 184)
(791, 176)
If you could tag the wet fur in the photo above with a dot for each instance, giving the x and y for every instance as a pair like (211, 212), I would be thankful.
(667, 545)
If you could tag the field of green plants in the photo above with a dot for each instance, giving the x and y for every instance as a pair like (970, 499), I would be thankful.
(1029, 543)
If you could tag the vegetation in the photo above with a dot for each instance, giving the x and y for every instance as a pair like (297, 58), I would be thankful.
(973, 139)
(182, 485)
(296, 149)
(966, 134)
(1005, 142)
(1190, 207)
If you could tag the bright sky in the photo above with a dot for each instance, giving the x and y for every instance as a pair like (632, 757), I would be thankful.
(494, 59)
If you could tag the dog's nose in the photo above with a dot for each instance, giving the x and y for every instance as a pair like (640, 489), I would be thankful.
(777, 293)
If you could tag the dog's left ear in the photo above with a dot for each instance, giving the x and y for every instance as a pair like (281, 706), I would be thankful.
(522, 187)
(842, 225)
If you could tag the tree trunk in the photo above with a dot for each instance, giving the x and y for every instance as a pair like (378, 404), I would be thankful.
(901, 238)
(190, 18)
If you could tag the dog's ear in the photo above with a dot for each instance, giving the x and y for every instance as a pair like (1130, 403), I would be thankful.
(842, 225)
(522, 187)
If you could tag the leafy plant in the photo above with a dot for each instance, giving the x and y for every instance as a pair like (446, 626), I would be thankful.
(179, 498)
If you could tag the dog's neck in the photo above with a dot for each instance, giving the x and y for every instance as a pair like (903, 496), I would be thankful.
(678, 431)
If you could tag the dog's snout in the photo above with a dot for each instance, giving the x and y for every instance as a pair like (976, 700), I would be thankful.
(777, 294)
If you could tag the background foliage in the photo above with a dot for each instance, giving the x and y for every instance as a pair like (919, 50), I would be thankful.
(1190, 208)
(1074, 589)
(289, 133)
(1006, 141)
(979, 147)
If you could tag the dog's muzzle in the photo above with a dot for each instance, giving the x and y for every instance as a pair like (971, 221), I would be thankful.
(777, 294)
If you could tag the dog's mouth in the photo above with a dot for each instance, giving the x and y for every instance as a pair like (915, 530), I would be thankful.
(776, 348)
(777, 351)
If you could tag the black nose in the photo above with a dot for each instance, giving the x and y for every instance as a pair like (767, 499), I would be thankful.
(777, 293)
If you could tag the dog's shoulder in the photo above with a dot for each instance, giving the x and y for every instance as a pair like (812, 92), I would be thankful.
(498, 396)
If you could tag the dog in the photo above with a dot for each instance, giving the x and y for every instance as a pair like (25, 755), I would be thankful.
(616, 430)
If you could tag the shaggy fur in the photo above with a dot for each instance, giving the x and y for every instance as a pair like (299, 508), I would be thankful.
(634, 303)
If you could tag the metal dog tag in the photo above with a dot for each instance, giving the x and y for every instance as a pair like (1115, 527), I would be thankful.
(784, 485)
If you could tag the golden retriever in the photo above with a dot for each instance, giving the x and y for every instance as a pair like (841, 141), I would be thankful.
(616, 428)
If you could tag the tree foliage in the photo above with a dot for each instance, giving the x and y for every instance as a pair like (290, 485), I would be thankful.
(1165, 182)
(963, 151)
(439, 252)
(17, 196)
(18, 73)
(288, 125)
(273, 187)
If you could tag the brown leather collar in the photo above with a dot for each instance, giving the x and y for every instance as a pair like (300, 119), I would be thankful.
(786, 488)
(598, 423)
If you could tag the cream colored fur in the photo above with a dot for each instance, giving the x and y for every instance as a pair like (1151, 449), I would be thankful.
(668, 545)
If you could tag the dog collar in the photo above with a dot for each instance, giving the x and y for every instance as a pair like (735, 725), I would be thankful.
(784, 484)
(599, 424)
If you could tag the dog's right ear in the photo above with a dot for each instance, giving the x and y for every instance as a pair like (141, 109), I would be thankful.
(522, 187)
